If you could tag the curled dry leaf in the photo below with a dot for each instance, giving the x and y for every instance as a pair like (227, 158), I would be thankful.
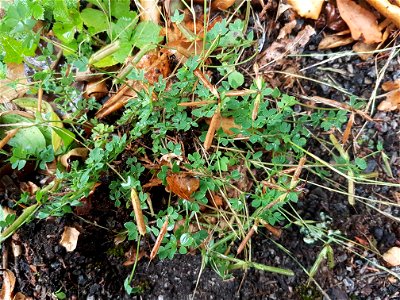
(8, 285)
(8, 91)
(69, 238)
(392, 256)
(19, 296)
(391, 85)
(307, 8)
(77, 153)
(334, 41)
(364, 50)
(389, 10)
(279, 50)
(332, 18)
(183, 185)
(362, 23)
(226, 124)
(222, 4)
(132, 256)
(96, 89)
(392, 101)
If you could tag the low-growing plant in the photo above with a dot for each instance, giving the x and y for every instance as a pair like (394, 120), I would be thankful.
(247, 178)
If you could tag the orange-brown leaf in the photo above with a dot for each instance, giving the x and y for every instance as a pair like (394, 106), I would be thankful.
(392, 101)
(183, 185)
(362, 22)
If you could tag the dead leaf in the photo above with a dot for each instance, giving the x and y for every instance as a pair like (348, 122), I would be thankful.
(19, 296)
(391, 85)
(364, 50)
(362, 23)
(221, 4)
(331, 18)
(287, 29)
(77, 153)
(392, 256)
(132, 256)
(69, 238)
(169, 158)
(183, 185)
(96, 89)
(8, 285)
(307, 8)
(392, 101)
(334, 41)
(387, 9)
(284, 47)
(15, 73)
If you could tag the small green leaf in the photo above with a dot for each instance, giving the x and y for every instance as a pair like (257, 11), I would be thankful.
(361, 163)
(95, 20)
(235, 79)
(146, 33)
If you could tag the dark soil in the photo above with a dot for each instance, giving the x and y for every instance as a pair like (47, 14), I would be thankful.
(95, 269)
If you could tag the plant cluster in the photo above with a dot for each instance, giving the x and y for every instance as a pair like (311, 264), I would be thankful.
(243, 182)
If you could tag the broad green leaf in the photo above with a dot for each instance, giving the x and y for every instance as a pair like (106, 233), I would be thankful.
(37, 10)
(106, 62)
(65, 32)
(146, 33)
(66, 136)
(54, 122)
(121, 8)
(31, 139)
(235, 79)
(94, 18)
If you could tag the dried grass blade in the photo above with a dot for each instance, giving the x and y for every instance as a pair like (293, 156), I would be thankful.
(160, 237)
(346, 133)
(246, 239)
(10, 134)
(138, 212)
(215, 123)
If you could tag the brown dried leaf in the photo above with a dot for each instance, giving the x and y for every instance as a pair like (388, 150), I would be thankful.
(392, 256)
(387, 9)
(364, 50)
(77, 153)
(8, 285)
(307, 8)
(69, 238)
(19, 296)
(222, 4)
(183, 185)
(392, 101)
(362, 23)
(282, 48)
(96, 89)
(132, 256)
(391, 85)
(15, 73)
(333, 41)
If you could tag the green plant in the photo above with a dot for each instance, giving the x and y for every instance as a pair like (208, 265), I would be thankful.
(247, 178)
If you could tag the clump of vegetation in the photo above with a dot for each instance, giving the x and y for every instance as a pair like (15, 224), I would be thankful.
(191, 141)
